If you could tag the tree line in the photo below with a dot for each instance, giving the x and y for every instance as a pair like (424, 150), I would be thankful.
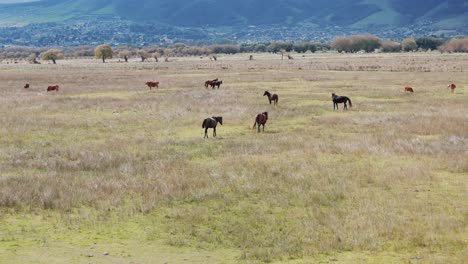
(349, 44)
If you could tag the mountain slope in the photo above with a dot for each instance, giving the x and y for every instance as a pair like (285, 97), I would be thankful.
(360, 13)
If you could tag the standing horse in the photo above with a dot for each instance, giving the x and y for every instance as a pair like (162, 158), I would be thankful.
(216, 83)
(452, 87)
(211, 122)
(209, 82)
(271, 97)
(53, 88)
(409, 89)
(152, 84)
(341, 100)
(261, 120)
(26, 86)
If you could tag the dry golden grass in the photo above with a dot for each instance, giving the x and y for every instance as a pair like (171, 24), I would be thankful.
(385, 181)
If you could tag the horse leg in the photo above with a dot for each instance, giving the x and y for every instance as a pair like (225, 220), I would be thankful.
(259, 127)
(206, 133)
(214, 132)
(345, 106)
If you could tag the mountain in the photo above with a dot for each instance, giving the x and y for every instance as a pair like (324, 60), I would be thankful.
(241, 19)
(358, 13)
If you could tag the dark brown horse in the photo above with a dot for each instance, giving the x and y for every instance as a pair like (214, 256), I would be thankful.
(261, 120)
(409, 89)
(53, 88)
(341, 100)
(211, 122)
(452, 87)
(216, 83)
(26, 86)
(152, 84)
(271, 97)
(209, 82)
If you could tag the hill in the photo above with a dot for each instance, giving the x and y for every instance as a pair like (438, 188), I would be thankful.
(244, 12)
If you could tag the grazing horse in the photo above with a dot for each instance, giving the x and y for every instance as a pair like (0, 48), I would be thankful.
(211, 122)
(152, 84)
(216, 83)
(341, 100)
(26, 86)
(271, 97)
(409, 89)
(53, 88)
(261, 120)
(452, 87)
(209, 82)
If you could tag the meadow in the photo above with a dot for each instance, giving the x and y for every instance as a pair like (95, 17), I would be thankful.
(107, 171)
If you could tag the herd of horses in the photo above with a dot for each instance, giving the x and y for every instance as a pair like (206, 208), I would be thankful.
(261, 118)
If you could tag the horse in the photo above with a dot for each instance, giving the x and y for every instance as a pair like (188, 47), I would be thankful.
(409, 89)
(53, 88)
(216, 83)
(152, 84)
(271, 97)
(452, 87)
(209, 82)
(341, 100)
(211, 122)
(26, 86)
(261, 120)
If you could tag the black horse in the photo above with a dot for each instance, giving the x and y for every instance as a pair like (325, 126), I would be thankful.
(211, 122)
(271, 97)
(341, 100)
(216, 83)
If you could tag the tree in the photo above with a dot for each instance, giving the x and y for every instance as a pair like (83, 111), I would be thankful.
(143, 55)
(103, 52)
(409, 44)
(53, 55)
(33, 59)
(429, 43)
(124, 54)
(390, 46)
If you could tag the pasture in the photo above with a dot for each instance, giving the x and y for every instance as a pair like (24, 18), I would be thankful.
(107, 171)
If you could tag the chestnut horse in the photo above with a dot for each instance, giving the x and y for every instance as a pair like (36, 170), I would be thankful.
(261, 120)
(452, 87)
(26, 86)
(271, 97)
(409, 89)
(211, 122)
(53, 88)
(152, 84)
(341, 100)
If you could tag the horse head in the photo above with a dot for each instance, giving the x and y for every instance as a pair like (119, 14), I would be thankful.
(219, 119)
(266, 93)
(265, 114)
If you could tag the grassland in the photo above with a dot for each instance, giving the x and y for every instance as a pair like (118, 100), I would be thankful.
(106, 171)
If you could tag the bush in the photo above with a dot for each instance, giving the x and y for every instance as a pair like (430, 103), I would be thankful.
(367, 43)
(429, 43)
(53, 55)
(455, 45)
(391, 46)
(409, 44)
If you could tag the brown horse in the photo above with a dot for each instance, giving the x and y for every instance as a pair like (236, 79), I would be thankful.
(26, 86)
(152, 84)
(452, 87)
(53, 88)
(261, 120)
(271, 97)
(209, 82)
(409, 89)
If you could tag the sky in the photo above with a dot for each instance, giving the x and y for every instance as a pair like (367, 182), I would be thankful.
(15, 1)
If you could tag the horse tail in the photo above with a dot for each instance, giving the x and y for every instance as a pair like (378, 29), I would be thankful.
(350, 104)
(255, 124)
(203, 125)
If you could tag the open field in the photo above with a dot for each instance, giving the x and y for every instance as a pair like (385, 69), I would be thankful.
(107, 166)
